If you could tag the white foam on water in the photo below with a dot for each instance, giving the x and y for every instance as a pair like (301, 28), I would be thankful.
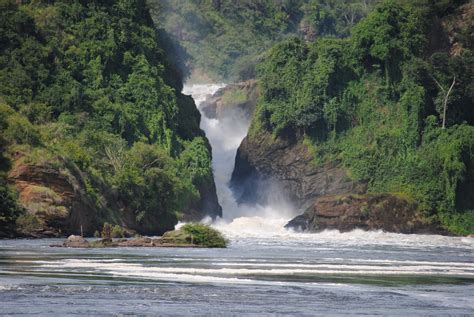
(370, 264)
(232, 274)
(225, 136)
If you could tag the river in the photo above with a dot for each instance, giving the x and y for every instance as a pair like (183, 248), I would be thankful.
(266, 270)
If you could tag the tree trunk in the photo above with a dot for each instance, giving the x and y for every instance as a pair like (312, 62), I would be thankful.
(445, 106)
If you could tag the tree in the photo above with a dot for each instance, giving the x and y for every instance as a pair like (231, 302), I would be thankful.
(446, 92)
(388, 36)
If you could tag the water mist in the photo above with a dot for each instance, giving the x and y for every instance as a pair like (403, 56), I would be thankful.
(225, 135)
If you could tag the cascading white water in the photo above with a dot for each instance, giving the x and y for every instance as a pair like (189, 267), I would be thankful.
(225, 136)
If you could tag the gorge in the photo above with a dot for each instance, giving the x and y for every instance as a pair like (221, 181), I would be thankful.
(329, 145)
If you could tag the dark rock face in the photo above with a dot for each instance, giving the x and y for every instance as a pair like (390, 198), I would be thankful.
(325, 195)
(369, 212)
(208, 204)
(263, 158)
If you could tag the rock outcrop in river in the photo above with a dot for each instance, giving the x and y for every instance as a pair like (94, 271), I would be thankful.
(188, 236)
(369, 212)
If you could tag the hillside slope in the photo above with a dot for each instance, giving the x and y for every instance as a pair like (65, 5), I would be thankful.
(93, 125)
(376, 108)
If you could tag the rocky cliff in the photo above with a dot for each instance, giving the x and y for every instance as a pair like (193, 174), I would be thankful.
(54, 198)
(361, 137)
(58, 200)
(324, 195)
(262, 158)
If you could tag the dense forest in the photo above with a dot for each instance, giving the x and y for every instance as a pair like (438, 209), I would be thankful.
(224, 39)
(392, 103)
(89, 94)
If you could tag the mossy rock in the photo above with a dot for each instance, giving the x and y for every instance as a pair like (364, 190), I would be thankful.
(195, 234)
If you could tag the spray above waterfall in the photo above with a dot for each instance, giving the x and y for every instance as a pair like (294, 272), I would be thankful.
(225, 135)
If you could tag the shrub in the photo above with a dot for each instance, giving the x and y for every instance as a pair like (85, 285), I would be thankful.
(28, 223)
(459, 223)
(21, 131)
(38, 113)
(204, 235)
(106, 231)
(233, 97)
(9, 208)
(117, 232)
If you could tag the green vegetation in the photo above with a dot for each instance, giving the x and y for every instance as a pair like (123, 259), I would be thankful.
(9, 209)
(225, 39)
(109, 231)
(374, 103)
(234, 97)
(88, 87)
(196, 234)
(27, 223)
(204, 235)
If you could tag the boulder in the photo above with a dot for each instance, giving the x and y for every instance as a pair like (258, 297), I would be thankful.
(76, 242)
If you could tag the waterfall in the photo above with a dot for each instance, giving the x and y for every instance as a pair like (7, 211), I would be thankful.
(225, 136)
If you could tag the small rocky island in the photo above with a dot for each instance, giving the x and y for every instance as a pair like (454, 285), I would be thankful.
(191, 235)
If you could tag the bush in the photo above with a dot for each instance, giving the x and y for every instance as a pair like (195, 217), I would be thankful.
(204, 235)
(28, 223)
(459, 223)
(21, 131)
(106, 231)
(117, 232)
(234, 97)
(38, 113)
(9, 209)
